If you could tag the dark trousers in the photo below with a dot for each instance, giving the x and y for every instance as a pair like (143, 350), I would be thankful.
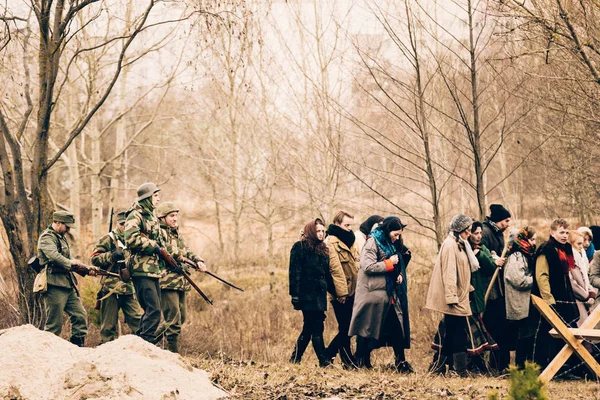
(148, 295)
(313, 323)
(454, 340)
(341, 341)
(312, 329)
(495, 322)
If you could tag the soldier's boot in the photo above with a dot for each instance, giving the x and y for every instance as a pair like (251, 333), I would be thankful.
(173, 344)
(78, 340)
(299, 348)
(319, 346)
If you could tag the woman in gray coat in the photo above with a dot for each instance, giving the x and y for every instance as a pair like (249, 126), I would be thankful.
(518, 280)
(380, 313)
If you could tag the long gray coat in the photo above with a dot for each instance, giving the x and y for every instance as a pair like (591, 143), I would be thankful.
(372, 301)
(518, 280)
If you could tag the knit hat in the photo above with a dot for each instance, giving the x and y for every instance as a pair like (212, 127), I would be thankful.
(390, 224)
(498, 213)
(460, 222)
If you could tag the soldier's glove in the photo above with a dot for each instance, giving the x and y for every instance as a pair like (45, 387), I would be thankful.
(117, 256)
(80, 269)
(178, 269)
(156, 250)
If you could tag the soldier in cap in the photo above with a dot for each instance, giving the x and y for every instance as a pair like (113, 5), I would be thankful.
(62, 295)
(144, 239)
(109, 254)
(173, 285)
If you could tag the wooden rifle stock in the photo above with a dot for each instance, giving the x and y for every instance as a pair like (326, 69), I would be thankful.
(171, 261)
(200, 292)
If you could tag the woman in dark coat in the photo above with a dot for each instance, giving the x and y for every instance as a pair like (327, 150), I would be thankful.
(310, 280)
(380, 313)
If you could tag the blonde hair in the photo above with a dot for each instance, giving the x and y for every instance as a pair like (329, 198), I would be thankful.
(574, 235)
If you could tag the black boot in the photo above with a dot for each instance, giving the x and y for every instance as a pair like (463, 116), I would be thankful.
(319, 346)
(78, 340)
(363, 353)
(348, 360)
(401, 365)
(173, 344)
(460, 364)
(299, 349)
(438, 364)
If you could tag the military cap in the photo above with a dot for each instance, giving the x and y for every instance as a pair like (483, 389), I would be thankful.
(166, 208)
(146, 190)
(65, 217)
(121, 216)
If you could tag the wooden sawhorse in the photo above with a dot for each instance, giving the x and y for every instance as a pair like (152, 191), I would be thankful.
(572, 336)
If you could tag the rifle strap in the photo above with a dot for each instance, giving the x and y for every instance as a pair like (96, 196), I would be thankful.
(111, 291)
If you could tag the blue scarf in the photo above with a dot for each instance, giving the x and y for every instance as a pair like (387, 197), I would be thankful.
(388, 248)
(590, 252)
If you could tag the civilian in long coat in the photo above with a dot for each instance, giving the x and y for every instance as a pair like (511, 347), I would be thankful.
(310, 280)
(494, 317)
(449, 290)
(380, 313)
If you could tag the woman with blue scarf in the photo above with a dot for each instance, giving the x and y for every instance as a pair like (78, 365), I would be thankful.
(380, 313)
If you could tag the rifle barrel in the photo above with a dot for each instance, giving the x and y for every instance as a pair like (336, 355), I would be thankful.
(217, 277)
(200, 292)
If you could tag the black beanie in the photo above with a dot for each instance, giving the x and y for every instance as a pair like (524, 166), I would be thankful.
(498, 213)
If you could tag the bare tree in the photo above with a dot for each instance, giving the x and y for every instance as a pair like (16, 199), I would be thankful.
(58, 25)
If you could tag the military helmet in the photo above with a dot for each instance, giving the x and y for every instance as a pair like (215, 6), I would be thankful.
(166, 208)
(146, 190)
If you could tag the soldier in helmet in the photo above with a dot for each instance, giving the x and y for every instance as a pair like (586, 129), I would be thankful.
(174, 286)
(62, 295)
(109, 254)
(144, 239)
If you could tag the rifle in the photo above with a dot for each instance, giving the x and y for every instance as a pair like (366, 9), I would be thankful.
(110, 220)
(193, 265)
(496, 272)
(84, 270)
(167, 258)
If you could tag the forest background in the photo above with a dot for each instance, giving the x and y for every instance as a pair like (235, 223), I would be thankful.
(255, 116)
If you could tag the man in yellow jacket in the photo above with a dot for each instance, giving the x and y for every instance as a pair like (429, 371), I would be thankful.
(343, 264)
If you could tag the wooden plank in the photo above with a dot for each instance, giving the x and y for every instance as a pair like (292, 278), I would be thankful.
(573, 344)
(566, 352)
(579, 333)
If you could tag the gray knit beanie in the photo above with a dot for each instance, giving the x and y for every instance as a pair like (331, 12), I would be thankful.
(460, 222)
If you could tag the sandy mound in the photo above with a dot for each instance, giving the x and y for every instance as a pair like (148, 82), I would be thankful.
(39, 365)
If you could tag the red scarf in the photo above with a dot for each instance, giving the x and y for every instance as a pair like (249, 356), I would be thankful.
(565, 254)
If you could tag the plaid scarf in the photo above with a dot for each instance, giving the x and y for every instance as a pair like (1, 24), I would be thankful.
(522, 244)
(565, 254)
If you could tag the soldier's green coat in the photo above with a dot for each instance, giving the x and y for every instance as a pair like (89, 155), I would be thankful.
(172, 280)
(101, 257)
(57, 264)
(142, 235)
(142, 259)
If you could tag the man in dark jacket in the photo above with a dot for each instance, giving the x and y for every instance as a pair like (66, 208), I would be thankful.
(551, 282)
(494, 317)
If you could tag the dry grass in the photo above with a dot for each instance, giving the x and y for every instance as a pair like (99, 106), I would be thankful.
(245, 340)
